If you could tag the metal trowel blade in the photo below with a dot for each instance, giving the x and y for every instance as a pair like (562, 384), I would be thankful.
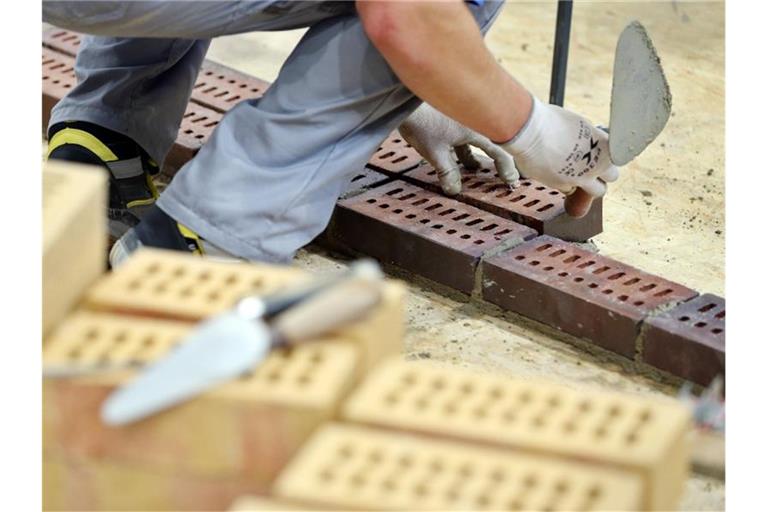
(641, 101)
(220, 349)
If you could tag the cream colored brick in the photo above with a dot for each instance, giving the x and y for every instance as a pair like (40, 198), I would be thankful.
(89, 484)
(74, 235)
(644, 435)
(348, 466)
(254, 503)
(249, 426)
(173, 285)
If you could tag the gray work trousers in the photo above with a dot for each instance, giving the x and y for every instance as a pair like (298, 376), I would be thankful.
(266, 182)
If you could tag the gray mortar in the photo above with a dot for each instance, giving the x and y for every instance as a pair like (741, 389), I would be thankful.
(641, 101)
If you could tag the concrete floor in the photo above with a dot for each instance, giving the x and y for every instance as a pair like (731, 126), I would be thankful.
(665, 215)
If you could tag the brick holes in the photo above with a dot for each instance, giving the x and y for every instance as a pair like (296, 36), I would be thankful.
(358, 466)
(63, 41)
(566, 258)
(529, 203)
(713, 325)
(394, 156)
(452, 225)
(489, 403)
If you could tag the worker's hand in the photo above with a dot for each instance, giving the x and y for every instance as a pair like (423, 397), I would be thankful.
(433, 135)
(563, 150)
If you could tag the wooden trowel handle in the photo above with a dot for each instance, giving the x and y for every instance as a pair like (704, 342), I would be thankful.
(334, 307)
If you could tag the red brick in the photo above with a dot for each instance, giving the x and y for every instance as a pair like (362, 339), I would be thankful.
(431, 235)
(58, 78)
(576, 291)
(220, 88)
(63, 41)
(689, 340)
(532, 203)
(394, 156)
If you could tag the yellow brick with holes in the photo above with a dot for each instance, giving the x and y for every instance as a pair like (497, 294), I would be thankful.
(245, 428)
(646, 436)
(359, 468)
(178, 286)
(74, 235)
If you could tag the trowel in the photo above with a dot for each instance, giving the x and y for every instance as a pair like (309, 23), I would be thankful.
(229, 344)
(640, 98)
(641, 103)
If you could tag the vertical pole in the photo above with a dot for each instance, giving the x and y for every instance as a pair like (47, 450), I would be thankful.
(560, 55)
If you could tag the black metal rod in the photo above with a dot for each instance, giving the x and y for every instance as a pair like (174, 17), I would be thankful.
(560, 55)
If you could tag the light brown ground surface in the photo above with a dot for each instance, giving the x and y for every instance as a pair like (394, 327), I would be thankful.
(663, 215)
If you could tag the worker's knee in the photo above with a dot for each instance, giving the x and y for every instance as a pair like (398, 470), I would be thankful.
(99, 18)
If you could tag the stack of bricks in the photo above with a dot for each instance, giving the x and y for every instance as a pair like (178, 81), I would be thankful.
(485, 242)
(415, 436)
(227, 442)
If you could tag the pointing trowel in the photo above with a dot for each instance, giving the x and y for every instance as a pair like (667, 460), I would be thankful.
(231, 343)
(641, 103)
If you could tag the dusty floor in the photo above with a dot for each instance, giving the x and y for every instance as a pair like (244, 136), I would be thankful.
(665, 215)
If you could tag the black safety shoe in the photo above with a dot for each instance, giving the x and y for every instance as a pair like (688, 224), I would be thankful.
(131, 189)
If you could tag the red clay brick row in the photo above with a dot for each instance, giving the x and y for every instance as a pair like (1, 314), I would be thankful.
(532, 203)
(428, 234)
(689, 340)
(576, 291)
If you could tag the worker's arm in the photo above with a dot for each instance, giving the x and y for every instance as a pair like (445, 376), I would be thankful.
(437, 50)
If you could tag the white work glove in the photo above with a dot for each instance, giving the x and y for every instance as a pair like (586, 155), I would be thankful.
(563, 150)
(433, 134)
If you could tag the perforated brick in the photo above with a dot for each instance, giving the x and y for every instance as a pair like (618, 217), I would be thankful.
(173, 285)
(646, 436)
(58, 76)
(359, 468)
(164, 284)
(220, 87)
(434, 236)
(61, 40)
(394, 156)
(257, 420)
(689, 340)
(576, 291)
(531, 203)
(74, 235)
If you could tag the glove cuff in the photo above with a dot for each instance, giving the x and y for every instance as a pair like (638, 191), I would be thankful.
(530, 130)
